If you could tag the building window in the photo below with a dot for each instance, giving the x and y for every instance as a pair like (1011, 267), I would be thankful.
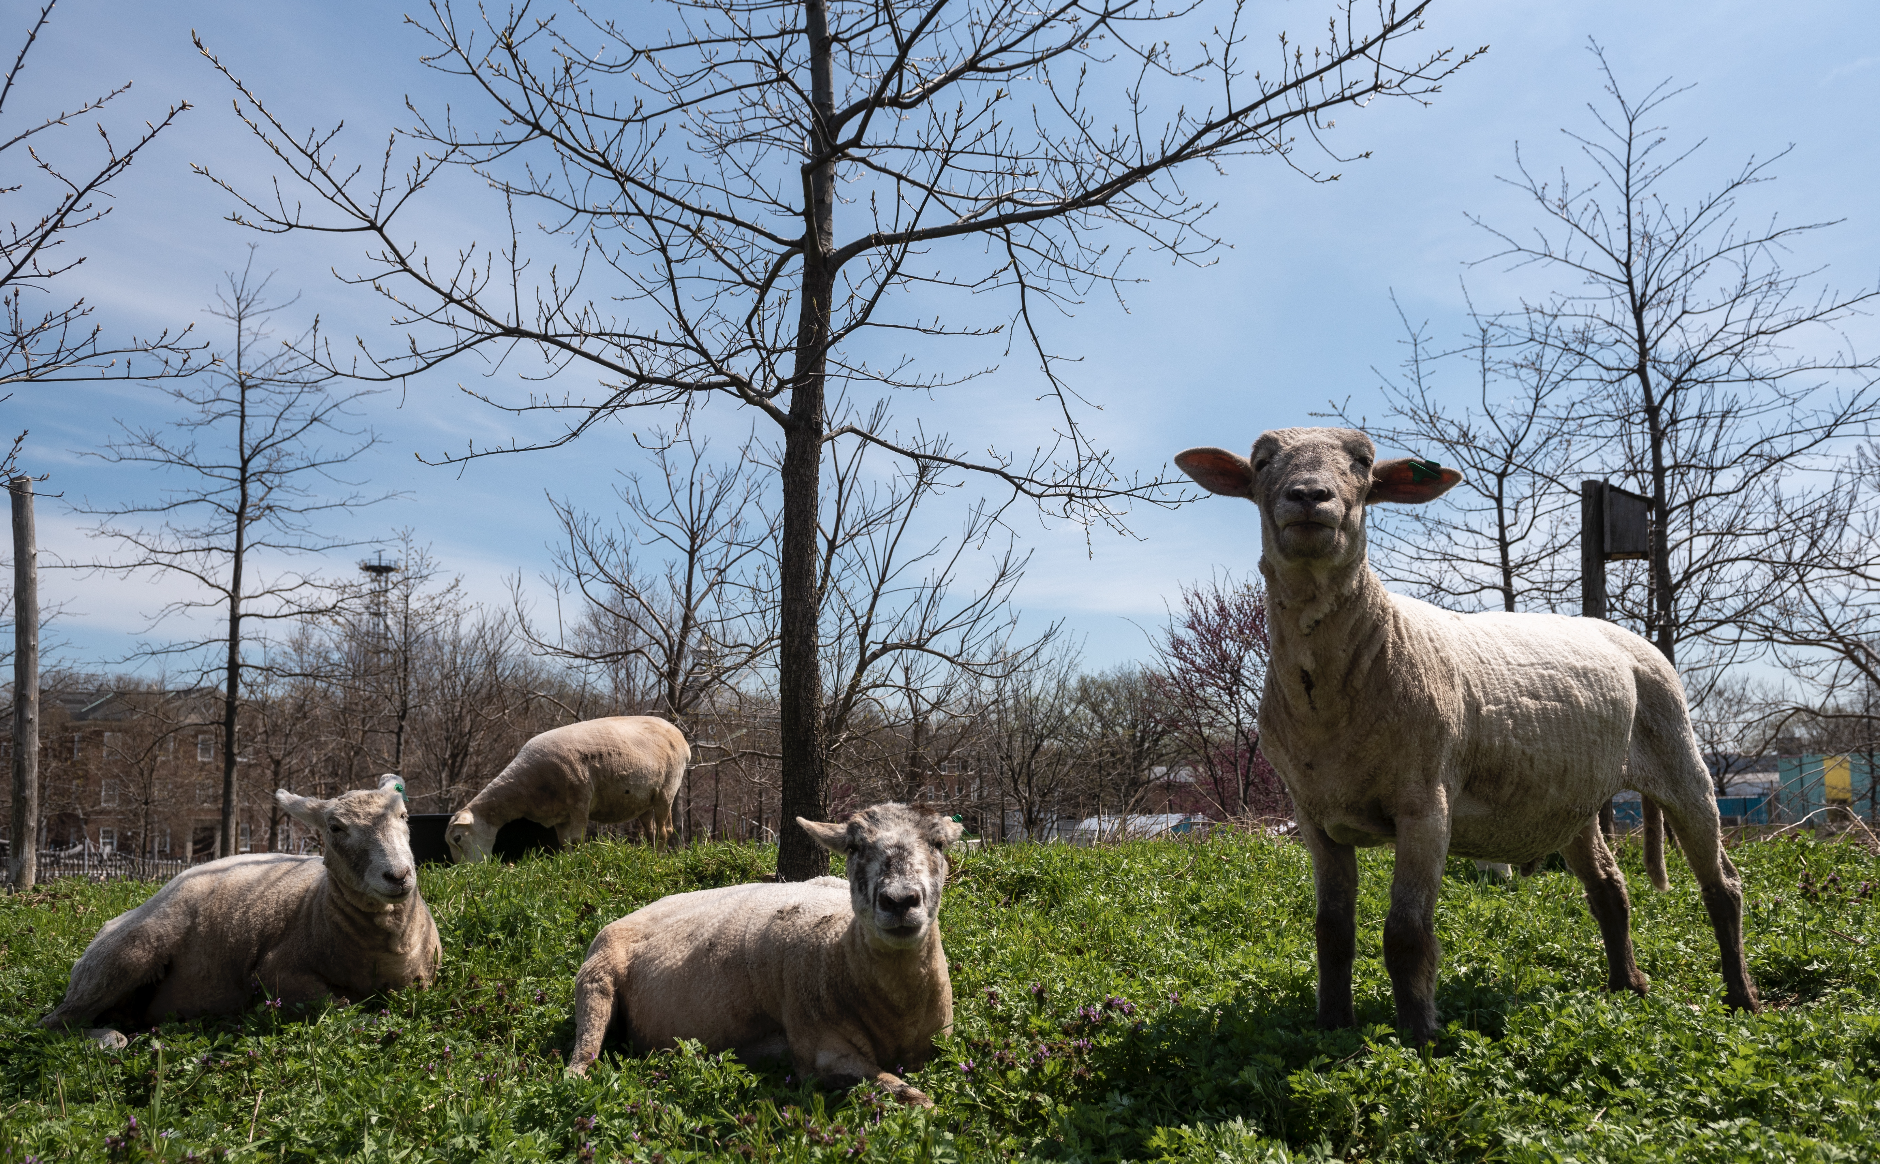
(113, 745)
(163, 842)
(205, 748)
(78, 747)
(107, 840)
(108, 794)
(247, 842)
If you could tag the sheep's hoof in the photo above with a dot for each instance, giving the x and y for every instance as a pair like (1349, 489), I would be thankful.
(912, 1096)
(108, 1039)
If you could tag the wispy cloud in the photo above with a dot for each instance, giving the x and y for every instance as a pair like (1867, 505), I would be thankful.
(1848, 69)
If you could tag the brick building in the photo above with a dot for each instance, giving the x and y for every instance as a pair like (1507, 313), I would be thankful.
(135, 771)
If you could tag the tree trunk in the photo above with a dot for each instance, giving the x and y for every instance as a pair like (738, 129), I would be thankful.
(24, 854)
(274, 813)
(799, 670)
(916, 758)
(231, 693)
(230, 702)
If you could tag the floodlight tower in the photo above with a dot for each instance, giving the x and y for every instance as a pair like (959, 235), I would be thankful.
(379, 572)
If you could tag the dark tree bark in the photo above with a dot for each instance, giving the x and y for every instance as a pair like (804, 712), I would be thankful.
(22, 851)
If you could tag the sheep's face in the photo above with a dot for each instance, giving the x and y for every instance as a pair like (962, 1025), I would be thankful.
(1312, 485)
(471, 841)
(897, 868)
(367, 837)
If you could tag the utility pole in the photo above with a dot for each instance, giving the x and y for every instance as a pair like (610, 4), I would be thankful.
(1614, 524)
(24, 850)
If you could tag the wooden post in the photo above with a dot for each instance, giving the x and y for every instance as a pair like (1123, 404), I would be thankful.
(23, 852)
(1593, 549)
(1614, 524)
(1593, 588)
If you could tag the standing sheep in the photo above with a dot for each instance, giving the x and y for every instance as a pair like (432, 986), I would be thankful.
(842, 977)
(297, 927)
(1494, 736)
(620, 768)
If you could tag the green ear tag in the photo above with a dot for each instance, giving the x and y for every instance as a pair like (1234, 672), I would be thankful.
(1421, 471)
(401, 791)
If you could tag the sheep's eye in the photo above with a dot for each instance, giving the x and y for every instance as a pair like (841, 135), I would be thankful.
(1362, 462)
(404, 816)
(1260, 466)
(338, 828)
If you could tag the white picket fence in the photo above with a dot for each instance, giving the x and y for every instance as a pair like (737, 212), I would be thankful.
(96, 866)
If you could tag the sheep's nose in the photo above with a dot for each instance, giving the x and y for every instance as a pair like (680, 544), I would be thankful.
(896, 902)
(398, 876)
(1312, 491)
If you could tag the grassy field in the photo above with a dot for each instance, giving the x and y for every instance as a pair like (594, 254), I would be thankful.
(1152, 1001)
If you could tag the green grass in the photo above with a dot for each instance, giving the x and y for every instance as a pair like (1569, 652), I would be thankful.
(1150, 1001)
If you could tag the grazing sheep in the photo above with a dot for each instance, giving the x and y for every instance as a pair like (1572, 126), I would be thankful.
(1495, 736)
(847, 978)
(620, 768)
(297, 927)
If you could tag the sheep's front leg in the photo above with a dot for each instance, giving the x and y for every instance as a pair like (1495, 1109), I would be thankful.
(1411, 951)
(838, 1064)
(1335, 928)
(574, 829)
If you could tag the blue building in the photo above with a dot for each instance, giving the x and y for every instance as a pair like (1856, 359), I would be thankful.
(1812, 783)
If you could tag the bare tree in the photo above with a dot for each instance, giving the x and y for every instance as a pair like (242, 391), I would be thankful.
(678, 600)
(288, 732)
(1716, 381)
(1025, 730)
(1213, 654)
(697, 175)
(904, 635)
(250, 465)
(1821, 608)
(1126, 734)
(1504, 537)
(48, 344)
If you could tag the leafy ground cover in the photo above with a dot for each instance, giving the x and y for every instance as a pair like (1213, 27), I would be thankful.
(1151, 1001)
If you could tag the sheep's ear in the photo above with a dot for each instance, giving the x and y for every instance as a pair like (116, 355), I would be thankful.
(308, 810)
(463, 817)
(834, 837)
(1217, 471)
(948, 830)
(1411, 481)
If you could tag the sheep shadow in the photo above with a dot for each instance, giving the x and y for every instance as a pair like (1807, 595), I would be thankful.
(1117, 1074)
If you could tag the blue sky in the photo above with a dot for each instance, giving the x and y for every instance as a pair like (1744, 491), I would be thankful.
(1298, 311)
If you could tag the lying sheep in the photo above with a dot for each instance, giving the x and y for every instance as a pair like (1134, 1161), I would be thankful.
(1494, 736)
(611, 770)
(844, 977)
(297, 927)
